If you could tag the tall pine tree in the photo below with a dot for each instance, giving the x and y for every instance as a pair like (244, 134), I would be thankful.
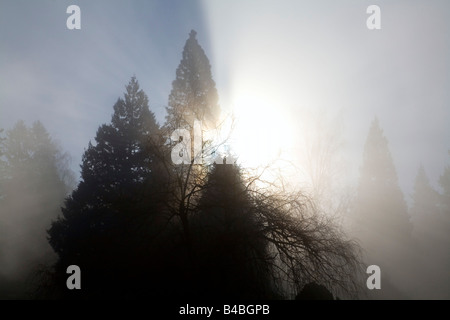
(380, 217)
(105, 215)
(381, 207)
(33, 186)
(194, 95)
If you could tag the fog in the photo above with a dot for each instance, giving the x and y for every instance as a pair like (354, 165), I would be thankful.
(320, 67)
(321, 57)
(312, 71)
(35, 180)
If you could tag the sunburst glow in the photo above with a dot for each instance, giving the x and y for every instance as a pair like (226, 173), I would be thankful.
(262, 133)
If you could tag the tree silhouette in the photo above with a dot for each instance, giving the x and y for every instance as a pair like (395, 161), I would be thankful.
(140, 225)
(34, 181)
(231, 254)
(256, 242)
(380, 216)
(306, 244)
(112, 202)
(380, 205)
(431, 231)
(313, 291)
(194, 95)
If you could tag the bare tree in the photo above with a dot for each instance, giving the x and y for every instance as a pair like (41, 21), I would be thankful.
(307, 244)
(301, 244)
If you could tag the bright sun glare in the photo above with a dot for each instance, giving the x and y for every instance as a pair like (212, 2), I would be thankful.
(262, 133)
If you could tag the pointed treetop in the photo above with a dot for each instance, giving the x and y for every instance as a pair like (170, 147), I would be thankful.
(194, 95)
(132, 110)
(378, 162)
(375, 122)
(375, 127)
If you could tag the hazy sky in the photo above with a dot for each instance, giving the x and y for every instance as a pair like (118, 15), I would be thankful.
(300, 55)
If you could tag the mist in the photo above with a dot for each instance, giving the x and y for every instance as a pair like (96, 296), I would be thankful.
(356, 120)
(330, 77)
(35, 179)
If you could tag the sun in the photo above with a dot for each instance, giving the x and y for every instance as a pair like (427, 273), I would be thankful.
(262, 131)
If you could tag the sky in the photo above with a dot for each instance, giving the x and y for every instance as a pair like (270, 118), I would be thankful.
(283, 58)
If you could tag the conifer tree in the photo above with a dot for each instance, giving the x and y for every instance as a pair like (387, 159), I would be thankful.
(232, 256)
(380, 205)
(33, 185)
(379, 215)
(111, 205)
(194, 95)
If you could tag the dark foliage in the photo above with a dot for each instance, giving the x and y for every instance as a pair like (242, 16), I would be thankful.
(139, 226)
(314, 291)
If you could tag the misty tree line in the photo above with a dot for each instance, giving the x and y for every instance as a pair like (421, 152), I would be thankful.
(34, 179)
(410, 245)
(140, 226)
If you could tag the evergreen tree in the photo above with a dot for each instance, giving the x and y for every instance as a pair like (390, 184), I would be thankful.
(240, 243)
(112, 203)
(252, 243)
(119, 163)
(431, 231)
(380, 217)
(226, 242)
(33, 187)
(231, 254)
(194, 95)
(380, 202)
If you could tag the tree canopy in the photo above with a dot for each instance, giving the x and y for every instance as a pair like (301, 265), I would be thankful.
(194, 94)
(141, 225)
